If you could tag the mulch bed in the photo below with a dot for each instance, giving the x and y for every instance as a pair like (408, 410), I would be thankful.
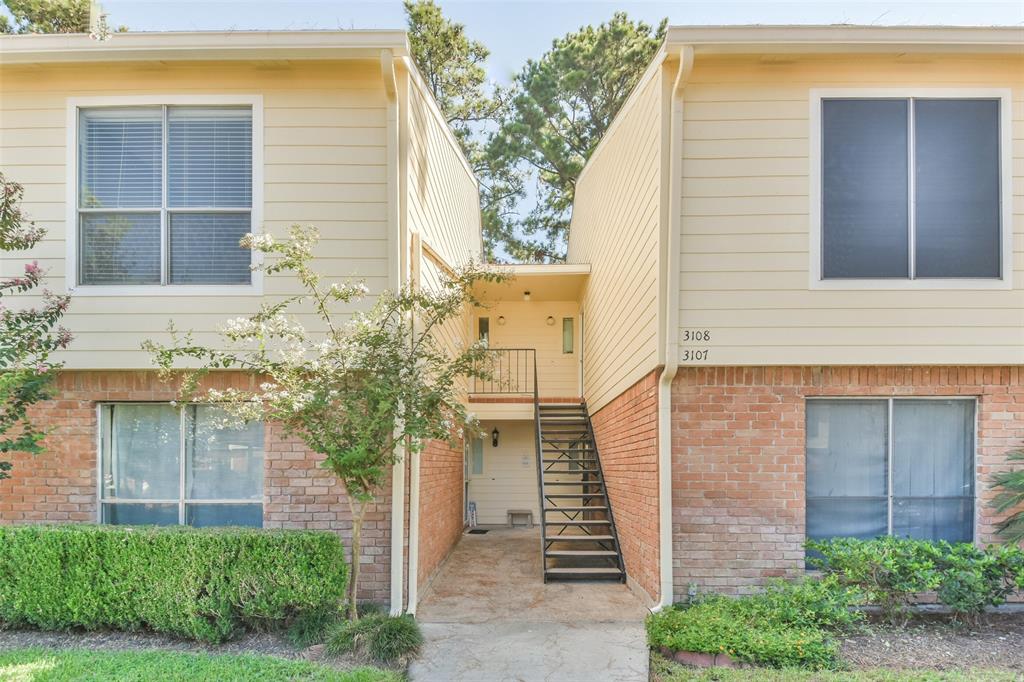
(932, 642)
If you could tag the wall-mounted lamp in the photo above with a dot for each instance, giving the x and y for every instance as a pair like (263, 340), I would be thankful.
(494, 437)
(501, 320)
(526, 295)
(550, 321)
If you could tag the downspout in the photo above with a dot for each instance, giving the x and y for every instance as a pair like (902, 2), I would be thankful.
(413, 250)
(395, 259)
(672, 231)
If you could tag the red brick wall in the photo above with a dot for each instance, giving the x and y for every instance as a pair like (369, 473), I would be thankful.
(626, 430)
(59, 485)
(738, 458)
(441, 512)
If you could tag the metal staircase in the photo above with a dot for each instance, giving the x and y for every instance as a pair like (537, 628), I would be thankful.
(578, 536)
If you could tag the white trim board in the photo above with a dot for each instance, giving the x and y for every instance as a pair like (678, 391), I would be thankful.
(1005, 281)
(71, 194)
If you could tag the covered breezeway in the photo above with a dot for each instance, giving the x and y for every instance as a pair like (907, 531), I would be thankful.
(488, 615)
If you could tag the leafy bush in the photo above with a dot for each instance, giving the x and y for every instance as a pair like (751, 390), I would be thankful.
(895, 572)
(787, 626)
(380, 637)
(721, 625)
(204, 584)
(890, 571)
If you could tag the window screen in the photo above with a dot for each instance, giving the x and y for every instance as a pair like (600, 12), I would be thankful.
(165, 195)
(910, 188)
(162, 465)
(864, 188)
(918, 484)
(956, 162)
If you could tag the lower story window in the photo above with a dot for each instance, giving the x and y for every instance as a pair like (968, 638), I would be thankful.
(892, 466)
(167, 465)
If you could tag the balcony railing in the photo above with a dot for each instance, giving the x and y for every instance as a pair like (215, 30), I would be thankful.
(510, 371)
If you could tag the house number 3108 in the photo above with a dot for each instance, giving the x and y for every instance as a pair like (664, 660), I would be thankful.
(696, 335)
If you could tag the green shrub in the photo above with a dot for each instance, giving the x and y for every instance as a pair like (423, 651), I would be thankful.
(890, 571)
(204, 584)
(381, 637)
(739, 628)
(811, 603)
(894, 572)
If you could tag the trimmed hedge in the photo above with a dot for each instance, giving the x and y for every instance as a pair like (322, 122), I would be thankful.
(203, 584)
(789, 625)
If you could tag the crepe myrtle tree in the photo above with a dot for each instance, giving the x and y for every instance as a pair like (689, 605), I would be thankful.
(369, 387)
(29, 335)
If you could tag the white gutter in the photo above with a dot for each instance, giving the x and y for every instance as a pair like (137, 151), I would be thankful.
(672, 231)
(413, 253)
(387, 69)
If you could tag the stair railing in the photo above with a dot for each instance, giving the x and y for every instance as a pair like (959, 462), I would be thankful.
(607, 494)
(540, 475)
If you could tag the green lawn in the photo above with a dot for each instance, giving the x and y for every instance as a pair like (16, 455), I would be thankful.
(665, 671)
(39, 665)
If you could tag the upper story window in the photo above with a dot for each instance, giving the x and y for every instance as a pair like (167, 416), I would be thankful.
(911, 189)
(164, 195)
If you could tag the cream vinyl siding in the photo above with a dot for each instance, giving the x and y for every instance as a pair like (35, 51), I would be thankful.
(526, 327)
(615, 227)
(744, 250)
(509, 477)
(324, 165)
(443, 199)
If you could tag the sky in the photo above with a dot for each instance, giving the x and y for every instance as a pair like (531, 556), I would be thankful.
(516, 30)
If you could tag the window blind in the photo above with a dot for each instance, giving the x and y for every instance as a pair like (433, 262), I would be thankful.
(139, 226)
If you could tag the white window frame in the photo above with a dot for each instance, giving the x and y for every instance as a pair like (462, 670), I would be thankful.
(103, 424)
(890, 401)
(74, 104)
(1005, 281)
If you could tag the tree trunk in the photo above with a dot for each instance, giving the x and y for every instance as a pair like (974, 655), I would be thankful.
(358, 512)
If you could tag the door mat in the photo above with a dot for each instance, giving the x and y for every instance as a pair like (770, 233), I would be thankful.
(478, 531)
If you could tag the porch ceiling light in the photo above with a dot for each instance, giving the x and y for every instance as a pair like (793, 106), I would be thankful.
(501, 320)
(550, 321)
(526, 295)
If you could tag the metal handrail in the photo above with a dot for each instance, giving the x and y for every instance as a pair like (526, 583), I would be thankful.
(509, 373)
(540, 476)
(607, 495)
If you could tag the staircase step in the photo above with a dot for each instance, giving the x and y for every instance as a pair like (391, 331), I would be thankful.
(578, 538)
(568, 460)
(563, 472)
(562, 495)
(579, 552)
(580, 483)
(583, 571)
(596, 522)
(593, 507)
(560, 440)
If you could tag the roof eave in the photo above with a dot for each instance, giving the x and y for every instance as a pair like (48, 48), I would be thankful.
(202, 46)
(762, 39)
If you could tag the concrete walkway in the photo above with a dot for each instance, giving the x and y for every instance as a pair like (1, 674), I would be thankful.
(489, 616)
